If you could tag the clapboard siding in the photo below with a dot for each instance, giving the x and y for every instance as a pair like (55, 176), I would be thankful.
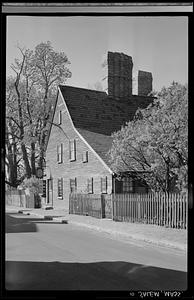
(72, 169)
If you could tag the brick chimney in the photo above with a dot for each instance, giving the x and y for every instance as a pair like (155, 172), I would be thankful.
(144, 83)
(117, 79)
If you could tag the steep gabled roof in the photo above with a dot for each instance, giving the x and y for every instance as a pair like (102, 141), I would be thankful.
(102, 143)
(95, 111)
(96, 116)
(99, 142)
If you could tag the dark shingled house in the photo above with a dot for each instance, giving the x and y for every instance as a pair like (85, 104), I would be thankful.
(80, 134)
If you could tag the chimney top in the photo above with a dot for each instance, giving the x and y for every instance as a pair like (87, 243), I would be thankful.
(144, 74)
(117, 78)
(144, 83)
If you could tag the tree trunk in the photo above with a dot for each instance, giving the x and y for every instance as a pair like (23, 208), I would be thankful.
(12, 173)
(20, 115)
(12, 159)
(33, 159)
(43, 136)
(42, 152)
(26, 161)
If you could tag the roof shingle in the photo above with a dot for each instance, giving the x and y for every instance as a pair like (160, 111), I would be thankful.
(97, 112)
(99, 142)
(96, 115)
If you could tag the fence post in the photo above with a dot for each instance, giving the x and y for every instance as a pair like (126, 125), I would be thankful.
(167, 209)
(175, 211)
(158, 208)
(181, 212)
(148, 208)
(178, 211)
(113, 207)
(164, 209)
(102, 206)
(138, 204)
(170, 210)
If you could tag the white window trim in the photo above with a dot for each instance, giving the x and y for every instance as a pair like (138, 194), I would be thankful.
(60, 153)
(92, 185)
(85, 156)
(106, 181)
(72, 142)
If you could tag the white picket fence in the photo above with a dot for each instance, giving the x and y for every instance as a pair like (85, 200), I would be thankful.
(170, 210)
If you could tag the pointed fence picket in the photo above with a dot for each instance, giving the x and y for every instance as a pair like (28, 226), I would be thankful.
(86, 204)
(163, 209)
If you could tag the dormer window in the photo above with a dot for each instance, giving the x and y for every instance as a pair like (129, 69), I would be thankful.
(60, 117)
(85, 156)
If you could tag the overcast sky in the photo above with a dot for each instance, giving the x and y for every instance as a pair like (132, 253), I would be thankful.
(156, 44)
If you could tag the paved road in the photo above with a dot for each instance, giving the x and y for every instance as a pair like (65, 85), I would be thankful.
(45, 255)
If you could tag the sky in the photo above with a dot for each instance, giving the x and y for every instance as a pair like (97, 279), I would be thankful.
(157, 44)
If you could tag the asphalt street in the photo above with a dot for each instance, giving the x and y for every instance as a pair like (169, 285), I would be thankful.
(47, 255)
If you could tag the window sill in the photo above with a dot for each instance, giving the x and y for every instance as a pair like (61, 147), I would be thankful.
(60, 198)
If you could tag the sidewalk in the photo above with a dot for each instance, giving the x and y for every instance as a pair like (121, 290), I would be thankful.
(133, 232)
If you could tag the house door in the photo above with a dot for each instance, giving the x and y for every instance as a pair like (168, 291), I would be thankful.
(50, 191)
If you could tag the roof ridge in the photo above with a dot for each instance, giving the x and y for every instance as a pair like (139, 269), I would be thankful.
(80, 88)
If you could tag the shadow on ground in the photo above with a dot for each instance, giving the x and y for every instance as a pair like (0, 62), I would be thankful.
(112, 275)
(15, 223)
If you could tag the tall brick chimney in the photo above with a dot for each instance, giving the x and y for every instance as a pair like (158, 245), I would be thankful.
(144, 83)
(118, 75)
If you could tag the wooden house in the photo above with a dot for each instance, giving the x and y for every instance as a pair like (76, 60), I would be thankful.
(80, 134)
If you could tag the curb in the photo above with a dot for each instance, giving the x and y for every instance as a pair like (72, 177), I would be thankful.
(134, 238)
(63, 220)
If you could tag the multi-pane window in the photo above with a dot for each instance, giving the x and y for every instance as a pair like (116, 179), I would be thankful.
(73, 185)
(85, 156)
(60, 153)
(72, 150)
(127, 185)
(60, 188)
(90, 185)
(104, 185)
(60, 117)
